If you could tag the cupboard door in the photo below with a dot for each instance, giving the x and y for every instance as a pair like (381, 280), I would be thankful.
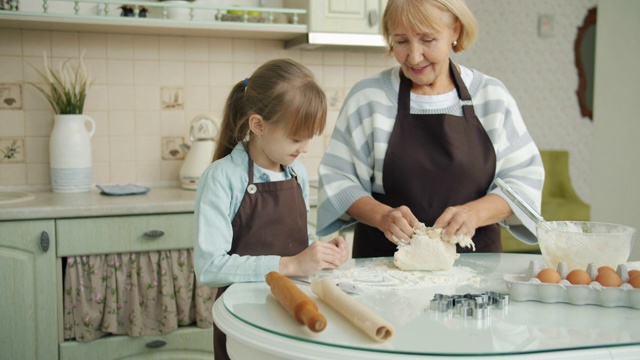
(28, 304)
(339, 16)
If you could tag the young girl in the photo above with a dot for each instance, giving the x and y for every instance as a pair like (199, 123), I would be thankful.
(252, 202)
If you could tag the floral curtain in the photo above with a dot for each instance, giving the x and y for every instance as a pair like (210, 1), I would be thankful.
(135, 294)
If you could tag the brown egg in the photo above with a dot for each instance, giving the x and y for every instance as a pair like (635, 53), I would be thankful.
(634, 281)
(633, 273)
(605, 268)
(578, 277)
(549, 276)
(609, 279)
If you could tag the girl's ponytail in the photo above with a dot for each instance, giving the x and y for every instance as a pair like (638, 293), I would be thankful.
(233, 126)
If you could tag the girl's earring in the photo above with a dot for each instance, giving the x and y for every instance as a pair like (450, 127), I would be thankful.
(455, 43)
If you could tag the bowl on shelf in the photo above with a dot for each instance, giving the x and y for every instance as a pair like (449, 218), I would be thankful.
(579, 243)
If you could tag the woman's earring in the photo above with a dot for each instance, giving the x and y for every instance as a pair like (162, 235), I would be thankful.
(455, 43)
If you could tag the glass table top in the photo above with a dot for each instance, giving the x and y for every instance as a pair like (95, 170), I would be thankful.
(403, 299)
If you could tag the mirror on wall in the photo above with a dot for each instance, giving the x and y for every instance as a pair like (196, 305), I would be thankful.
(585, 48)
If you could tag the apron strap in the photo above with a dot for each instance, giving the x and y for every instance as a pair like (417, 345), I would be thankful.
(463, 92)
(404, 96)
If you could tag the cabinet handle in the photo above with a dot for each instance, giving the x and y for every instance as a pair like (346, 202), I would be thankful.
(44, 241)
(373, 18)
(154, 344)
(153, 234)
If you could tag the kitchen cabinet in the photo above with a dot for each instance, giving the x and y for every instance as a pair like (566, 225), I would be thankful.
(31, 279)
(353, 24)
(124, 234)
(29, 288)
(104, 17)
(353, 16)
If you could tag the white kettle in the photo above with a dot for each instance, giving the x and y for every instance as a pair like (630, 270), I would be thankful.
(200, 154)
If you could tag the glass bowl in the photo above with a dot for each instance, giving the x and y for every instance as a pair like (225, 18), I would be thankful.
(578, 243)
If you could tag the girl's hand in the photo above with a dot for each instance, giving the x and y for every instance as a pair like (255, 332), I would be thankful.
(319, 255)
(343, 246)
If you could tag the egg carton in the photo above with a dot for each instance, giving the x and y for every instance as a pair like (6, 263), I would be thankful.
(526, 287)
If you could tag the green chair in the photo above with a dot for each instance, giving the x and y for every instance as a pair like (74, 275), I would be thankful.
(559, 199)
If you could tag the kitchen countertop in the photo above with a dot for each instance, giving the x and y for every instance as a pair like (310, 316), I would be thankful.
(159, 200)
(49, 205)
(257, 326)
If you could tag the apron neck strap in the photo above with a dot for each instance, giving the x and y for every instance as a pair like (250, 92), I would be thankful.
(404, 96)
(463, 92)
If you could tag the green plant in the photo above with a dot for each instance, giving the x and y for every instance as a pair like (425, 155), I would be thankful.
(66, 88)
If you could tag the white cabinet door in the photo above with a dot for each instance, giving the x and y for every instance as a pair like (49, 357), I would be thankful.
(28, 306)
(340, 16)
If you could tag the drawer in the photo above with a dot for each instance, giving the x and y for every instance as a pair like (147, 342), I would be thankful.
(184, 343)
(118, 234)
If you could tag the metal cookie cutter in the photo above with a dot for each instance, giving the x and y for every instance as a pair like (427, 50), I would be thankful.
(477, 306)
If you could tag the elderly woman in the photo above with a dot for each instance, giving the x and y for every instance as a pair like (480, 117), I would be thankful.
(424, 142)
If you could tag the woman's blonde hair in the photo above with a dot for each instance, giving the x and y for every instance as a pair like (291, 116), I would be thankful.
(284, 93)
(418, 15)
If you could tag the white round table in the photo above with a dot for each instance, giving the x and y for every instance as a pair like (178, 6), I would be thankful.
(258, 327)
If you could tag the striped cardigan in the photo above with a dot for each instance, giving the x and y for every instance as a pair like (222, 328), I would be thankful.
(352, 166)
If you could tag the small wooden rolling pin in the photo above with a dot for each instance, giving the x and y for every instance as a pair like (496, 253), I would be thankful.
(296, 302)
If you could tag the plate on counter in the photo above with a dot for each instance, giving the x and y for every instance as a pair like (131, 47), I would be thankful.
(120, 190)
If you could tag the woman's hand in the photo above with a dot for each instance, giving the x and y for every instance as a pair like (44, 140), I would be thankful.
(319, 255)
(465, 219)
(457, 220)
(398, 222)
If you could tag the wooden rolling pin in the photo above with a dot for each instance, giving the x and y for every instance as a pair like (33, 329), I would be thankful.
(356, 313)
(296, 302)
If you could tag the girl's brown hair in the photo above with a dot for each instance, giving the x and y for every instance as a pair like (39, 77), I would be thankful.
(418, 15)
(284, 93)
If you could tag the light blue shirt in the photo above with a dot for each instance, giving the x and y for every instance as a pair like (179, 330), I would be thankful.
(220, 191)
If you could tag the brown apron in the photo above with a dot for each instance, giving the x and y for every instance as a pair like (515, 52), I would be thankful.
(433, 161)
(271, 220)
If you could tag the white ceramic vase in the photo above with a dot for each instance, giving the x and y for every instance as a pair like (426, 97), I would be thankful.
(70, 153)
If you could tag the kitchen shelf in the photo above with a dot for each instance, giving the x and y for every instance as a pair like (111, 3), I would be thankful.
(107, 20)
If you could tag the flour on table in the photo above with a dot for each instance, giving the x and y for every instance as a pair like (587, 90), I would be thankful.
(430, 249)
(381, 273)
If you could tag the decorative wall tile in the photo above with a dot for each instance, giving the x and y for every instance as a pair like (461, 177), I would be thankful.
(172, 98)
(10, 96)
(171, 148)
(11, 150)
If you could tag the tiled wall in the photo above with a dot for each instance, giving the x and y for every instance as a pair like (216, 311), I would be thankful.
(131, 72)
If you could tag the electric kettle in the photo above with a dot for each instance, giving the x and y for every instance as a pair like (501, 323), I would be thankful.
(200, 154)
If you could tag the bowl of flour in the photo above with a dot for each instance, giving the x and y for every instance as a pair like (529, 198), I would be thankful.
(579, 243)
